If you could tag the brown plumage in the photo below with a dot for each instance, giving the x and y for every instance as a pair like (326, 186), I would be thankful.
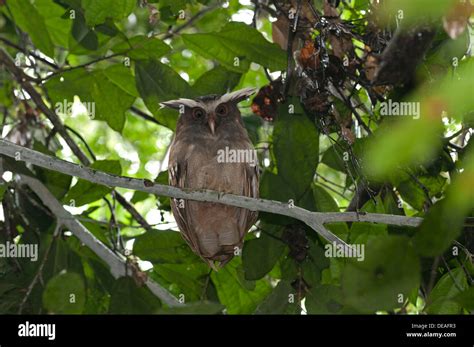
(209, 127)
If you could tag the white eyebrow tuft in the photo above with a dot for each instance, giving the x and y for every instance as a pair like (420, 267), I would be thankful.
(181, 102)
(238, 95)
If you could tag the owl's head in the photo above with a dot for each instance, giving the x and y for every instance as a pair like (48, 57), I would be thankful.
(210, 111)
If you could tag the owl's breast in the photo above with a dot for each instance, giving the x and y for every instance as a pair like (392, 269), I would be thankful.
(219, 168)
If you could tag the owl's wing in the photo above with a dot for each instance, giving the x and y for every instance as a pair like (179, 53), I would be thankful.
(177, 178)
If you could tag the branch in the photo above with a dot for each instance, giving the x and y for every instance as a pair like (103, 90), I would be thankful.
(63, 70)
(144, 115)
(58, 125)
(36, 97)
(37, 57)
(315, 220)
(118, 265)
(39, 273)
(191, 20)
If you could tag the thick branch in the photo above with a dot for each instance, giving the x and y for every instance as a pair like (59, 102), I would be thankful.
(315, 220)
(118, 265)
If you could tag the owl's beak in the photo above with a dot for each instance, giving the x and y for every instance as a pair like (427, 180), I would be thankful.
(212, 124)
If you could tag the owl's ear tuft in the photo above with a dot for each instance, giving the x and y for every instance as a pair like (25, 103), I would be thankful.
(178, 103)
(238, 95)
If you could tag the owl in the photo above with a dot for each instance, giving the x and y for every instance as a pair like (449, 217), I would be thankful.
(211, 150)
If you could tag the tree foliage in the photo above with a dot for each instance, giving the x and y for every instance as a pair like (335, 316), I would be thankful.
(329, 75)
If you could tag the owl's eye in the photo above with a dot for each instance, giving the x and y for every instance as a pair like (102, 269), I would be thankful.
(222, 110)
(198, 113)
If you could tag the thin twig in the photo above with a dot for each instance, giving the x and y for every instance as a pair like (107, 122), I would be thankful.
(433, 273)
(34, 55)
(71, 68)
(84, 142)
(451, 274)
(144, 115)
(194, 18)
(39, 273)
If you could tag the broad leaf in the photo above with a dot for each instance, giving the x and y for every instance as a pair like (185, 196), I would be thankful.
(65, 293)
(389, 272)
(97, 12)
(163, 246)
(235, 46)
(296, 148)
(27, 17)
(127, 298)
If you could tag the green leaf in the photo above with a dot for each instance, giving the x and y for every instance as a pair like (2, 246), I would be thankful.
(58, 26)
(183, 279)
(127, 298)
(218, 80)
(237, 41)
(108, 28)
(65, 294)
(97, 12)
(235, 292)
(441, 297)
(27, 17)
(57, 183)
(123, 78)
(141, 47)
(84, 192)
(260, 255)
(107, 99)
(314, 263)
(466, 299)
(268, 182)
(332, 158)
(390, 269)
(413, 194)
(278, 301)
(111, 102)
(82, 35)
(324, 299)
(362, 232)
(296, 148)
(408, 142)
(63, 88)
(444, 221)
(163, 246)
(3, 189)
(6, 91)
(157, 82)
